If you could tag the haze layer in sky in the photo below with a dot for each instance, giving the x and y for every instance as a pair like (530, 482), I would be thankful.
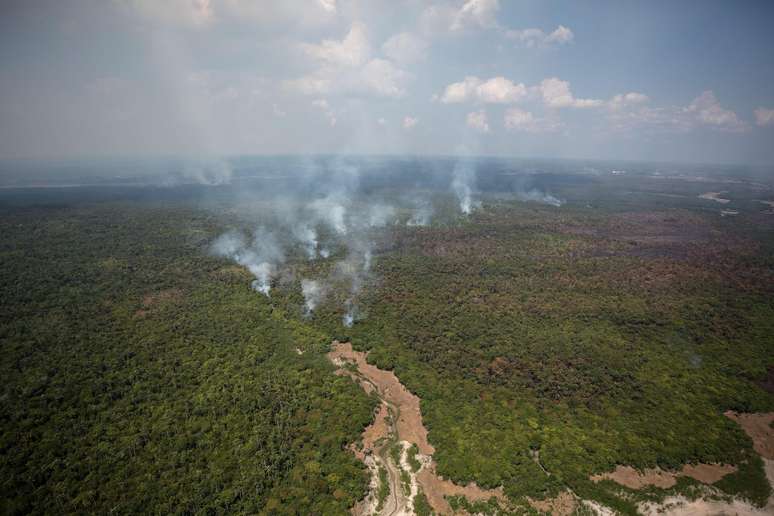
(656, 80)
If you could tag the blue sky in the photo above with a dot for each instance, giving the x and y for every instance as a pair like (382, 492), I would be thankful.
(656, 80)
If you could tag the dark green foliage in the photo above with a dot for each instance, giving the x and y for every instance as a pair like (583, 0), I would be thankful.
(460, 503)
(421, 505)
(411, 455)
(141, 375)
(531, 329)
(747, 482)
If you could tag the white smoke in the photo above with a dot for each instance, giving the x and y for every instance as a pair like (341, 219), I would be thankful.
(307, 235)
(207, 172)
(228, 244)
(380, 214)
(313, 292)
(355, 269)
(541, 197)
(319, 223)
(332, 211)
(260, 257)
(462, 184)
(421, 215)
(349, 318)
(263, 273)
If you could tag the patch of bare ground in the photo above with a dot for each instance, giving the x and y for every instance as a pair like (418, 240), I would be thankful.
(758, 427)
(398, 420)
(437, 488)
(707, 473)
(634, 479)
(388, 387)
(376, 431)
(563, 504)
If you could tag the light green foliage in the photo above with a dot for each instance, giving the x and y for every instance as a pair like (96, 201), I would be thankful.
(383, 491)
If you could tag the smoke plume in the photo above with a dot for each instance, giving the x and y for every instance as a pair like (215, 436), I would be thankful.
(462, 184)
(261, 256)
(313, 292)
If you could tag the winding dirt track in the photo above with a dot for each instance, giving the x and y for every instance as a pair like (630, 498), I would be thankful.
(405, 427)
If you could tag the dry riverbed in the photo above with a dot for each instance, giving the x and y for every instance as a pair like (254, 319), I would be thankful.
(396, 428)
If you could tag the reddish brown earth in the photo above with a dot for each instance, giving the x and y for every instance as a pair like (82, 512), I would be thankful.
(409, 423)
(436, 488)
(562, 505)
(634, 479)
(758, 427)
(408, 428)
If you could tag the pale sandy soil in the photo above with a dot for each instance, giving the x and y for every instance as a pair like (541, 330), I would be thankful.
(408, 429)
(714, 196)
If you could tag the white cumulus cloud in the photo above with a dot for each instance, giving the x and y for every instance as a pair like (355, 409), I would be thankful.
(345, 67)
(538, 38)
(708, 111)
(625, 100)
(704, 111)
(764, 116)
(556, 94)
(519, 120)
(353, 50)
(409, 122)
(405, 48)
(497, 90)
(476, 13)
(477, 120)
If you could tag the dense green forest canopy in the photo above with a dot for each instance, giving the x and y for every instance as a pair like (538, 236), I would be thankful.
(141, 373)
